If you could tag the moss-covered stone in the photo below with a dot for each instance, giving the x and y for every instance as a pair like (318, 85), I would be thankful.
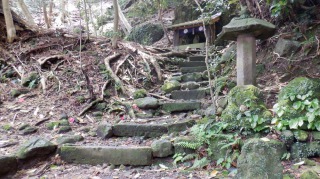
(221, 83)
(309, 174)
(162, 148)
(301, 135)
(170, 86)
(261, 159)
(53, 125)
(287, 137)
(147, 103)
(140, 93)
(64, 129)
(316, 135)
(241, 100)
(305, 150)
(35, 147)
(191, 77)
(100, 106)
(17, 92)
(68, 139)
(146, 34)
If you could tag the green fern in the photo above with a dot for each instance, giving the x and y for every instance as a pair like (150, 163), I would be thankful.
(189, 157)
(190, 145)
(200, 163)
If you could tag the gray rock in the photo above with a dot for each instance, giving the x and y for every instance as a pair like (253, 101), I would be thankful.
(162, 148)
(260, 159)
(222, 102)
(147, 103)
(94, 155)
(146, 34)
(35, 147)
(191, 77)
(181, 125)
(97, 113)
(210, 111)
(189, 94)
(63, 116)
(64, 129)
(180, 106)
(69, 139)
(104, 131)
(169, 86)
(286, 47)
(7, 164)
(146, 130)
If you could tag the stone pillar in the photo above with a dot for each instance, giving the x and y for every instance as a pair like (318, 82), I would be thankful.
(246, 59)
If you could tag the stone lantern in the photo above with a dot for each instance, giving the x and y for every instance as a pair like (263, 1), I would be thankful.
(245, 31)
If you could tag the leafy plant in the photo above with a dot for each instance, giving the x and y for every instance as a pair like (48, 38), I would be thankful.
(304, 104)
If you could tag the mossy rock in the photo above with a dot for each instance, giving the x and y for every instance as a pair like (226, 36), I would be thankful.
(223, 82)
(250, 98)
(140, 93)
(301, 135)
(309, 174)
(31, 80)
(146, 34)
(302, 86)
(170, 86)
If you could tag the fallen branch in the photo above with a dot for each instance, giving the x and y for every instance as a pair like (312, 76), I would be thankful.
(112, 74)
(90, 106)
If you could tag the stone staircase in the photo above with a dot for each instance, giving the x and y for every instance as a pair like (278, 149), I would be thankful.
(188, 96)
(112, 146)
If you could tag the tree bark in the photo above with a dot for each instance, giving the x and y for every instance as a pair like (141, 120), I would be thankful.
(63, 11)
(124, 20)
(26, 12)
(115, 23)
(45, 15)
(11, 31)
(86, 18)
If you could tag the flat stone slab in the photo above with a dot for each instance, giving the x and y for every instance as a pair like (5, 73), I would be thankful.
(185, 70)
(189, 95)
(192, 64)
(191, 77)
(147, 130)
(197, 58)
(94, 155)
(180, 106)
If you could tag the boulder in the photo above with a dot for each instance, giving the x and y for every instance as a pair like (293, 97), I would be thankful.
(260, 159)
(162, 148)
(285, 47)
(242, 100)
(35, 147)
(170, 86)
(147, 103)
(146, 34)
(104, 131)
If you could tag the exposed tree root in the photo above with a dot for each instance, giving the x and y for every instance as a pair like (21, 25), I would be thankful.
(90, 106)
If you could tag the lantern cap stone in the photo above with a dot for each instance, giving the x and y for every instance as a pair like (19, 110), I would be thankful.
(260, 29)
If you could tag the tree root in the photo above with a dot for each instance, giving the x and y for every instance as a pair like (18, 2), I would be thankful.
(90, 106)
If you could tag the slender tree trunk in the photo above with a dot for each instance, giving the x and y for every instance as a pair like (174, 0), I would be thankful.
(92, 21)
(86, 18)
(161, 21)
(11, 31)
(45, 15)
(50, 15)
(124, 20)
(63, 11)
(26, 12)
(115, 24)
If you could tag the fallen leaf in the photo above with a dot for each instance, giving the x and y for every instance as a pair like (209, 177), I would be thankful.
(214, 173)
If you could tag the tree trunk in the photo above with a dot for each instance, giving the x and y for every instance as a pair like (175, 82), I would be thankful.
(26, 12)
(50, 15)
(161, 22)
(115, 23)
(86, 18)
(63, 11)
(11, 31)
(45, 15)
(124, 20)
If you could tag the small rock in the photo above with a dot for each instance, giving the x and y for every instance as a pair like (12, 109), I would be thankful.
(122, 167)
(68, 139)
(53, 125)
(104, 131)
(64, 129)
(23, 126)
(309, 174)
(29, 130)
(300, 135)
(147, 103)
(100, 106)
(35, 147)
(285, 47)
(287, 137)
(140, 93)
(190, 85)
(63, 116)
(162, 148)
(210, 111)
(97, 114)
(64, 122)
(112, 167)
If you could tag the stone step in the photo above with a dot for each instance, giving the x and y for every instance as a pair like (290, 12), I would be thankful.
(197, 58)
(192, 64)
(95, 155)
(185, 70)
(197, 77)
(181, 106)
(150, 130)
(189, 94)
